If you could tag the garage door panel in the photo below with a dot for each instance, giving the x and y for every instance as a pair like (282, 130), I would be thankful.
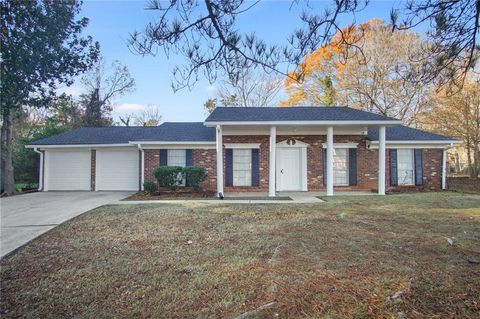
(67, 170)
(117, 170)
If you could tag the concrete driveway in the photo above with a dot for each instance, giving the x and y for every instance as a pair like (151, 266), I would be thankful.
(27, 216)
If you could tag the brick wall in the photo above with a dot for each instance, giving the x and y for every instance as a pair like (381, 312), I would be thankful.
(432, 169)
(201, 157)
(207, 158)
(367, 164)
(152, 161)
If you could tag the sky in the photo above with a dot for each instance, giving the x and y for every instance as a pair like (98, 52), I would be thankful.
(111, 22)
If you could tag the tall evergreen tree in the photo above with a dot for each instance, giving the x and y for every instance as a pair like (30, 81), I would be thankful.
(41, 47)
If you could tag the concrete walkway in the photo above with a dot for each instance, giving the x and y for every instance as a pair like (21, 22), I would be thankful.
(24, 217)
(296, 198)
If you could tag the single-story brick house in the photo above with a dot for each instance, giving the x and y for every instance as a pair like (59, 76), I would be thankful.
(262, 149)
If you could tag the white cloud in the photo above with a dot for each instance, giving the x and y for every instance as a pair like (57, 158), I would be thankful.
(211, 89)
(129, 107)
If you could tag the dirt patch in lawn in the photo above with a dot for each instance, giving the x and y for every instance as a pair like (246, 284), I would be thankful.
(353, 257)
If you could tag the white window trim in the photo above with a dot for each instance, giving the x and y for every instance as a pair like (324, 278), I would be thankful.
(233, 169)
(242, 145)
(342, 145)
(185, 157)
(413, 168)
(347, 160)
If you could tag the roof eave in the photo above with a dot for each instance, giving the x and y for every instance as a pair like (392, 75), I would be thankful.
(75, 145)
(419, 142)
(324, 123)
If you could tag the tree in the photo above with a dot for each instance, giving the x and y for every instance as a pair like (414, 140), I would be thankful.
(41, 47)
(381, 75)
(31, 123)
(207, 35)
(149, 117)
(458, 115)
(103, 85)
(251, 89)
(452, 36)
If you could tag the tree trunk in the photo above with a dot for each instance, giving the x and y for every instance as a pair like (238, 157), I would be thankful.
(457, 162)
(7, 153)
(469, 159)
(476, 162)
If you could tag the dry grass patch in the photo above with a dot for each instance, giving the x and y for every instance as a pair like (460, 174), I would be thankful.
(353, 257)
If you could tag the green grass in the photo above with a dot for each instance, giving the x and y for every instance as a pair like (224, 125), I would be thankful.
(339, 259)
(19, 187)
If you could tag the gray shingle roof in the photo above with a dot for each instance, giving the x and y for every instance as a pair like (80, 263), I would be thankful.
(194, 132)
(169, 132)
(297, 113)
(405, 133)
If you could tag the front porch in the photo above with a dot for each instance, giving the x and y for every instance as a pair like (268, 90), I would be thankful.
(310, 159)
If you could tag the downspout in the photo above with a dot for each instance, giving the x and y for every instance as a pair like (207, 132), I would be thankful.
(40, 173)
(142, 166)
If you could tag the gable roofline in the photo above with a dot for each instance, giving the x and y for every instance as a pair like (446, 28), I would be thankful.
(325, 123)
(295, 115)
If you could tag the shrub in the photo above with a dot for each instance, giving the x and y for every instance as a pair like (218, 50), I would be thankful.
(195, 175)
(169, 176)
(150, 186)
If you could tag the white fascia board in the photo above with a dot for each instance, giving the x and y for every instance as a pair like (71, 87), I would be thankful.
(342, 145)
(414, 144)
(172, 143)
(422, 142)
(77, 146)
(242, 145)
(331, 123)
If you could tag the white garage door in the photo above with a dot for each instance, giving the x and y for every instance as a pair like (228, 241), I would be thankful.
(67, 170)
(117, 170)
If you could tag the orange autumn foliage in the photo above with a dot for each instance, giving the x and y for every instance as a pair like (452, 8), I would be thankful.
(327, 61)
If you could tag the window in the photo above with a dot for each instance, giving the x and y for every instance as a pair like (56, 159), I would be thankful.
(340, 166)
(176, 158)
(242, 167)
(405, 166)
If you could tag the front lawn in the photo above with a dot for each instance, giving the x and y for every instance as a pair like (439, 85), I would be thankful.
(352, 257)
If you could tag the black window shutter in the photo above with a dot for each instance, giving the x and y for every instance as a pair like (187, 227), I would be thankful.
(188, 158)
(393, 168)
(163, 157)
(255, 168)
(325, 167)
(352, 166)
(228, 167)
(418, 167)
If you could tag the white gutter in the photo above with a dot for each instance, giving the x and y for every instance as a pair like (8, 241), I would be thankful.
(172, 143)
(40, 172)
(77, 145)
(142, 167)
(327, 123)
(443, 142)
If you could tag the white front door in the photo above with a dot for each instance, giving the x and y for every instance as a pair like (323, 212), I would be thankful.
(289, 169)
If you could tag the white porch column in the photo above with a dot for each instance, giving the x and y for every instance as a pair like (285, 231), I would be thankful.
(381, 160)
(444, 169)
(330, 161)
(271, 166)
(219, 140)
(142, 167)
